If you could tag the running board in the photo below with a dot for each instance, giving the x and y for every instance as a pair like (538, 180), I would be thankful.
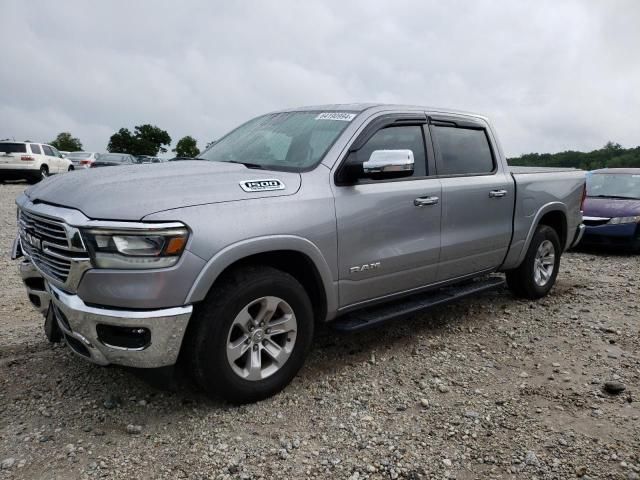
(372, 316)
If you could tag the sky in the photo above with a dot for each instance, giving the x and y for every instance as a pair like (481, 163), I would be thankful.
(551, 75)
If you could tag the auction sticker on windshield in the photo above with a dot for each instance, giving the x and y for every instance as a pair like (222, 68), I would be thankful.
(342, 116)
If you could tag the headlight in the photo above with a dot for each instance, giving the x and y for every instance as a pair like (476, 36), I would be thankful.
(618, 220)
(135, 249)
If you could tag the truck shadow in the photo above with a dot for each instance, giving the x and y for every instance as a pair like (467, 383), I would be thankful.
(126, 395)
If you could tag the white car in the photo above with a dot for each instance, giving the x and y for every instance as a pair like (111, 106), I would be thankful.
(31, 161)
(82, 159)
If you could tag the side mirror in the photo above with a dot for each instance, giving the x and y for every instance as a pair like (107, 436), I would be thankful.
(389, 164)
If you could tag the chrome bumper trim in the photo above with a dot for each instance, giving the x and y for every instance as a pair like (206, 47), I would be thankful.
(28, 271)
(578, 236)
(167, 327)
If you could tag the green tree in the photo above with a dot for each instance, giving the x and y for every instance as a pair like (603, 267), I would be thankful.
(187, 147)
(145, 140)
(122, 142)
(67, 143)
(151, 139)
(611, 155)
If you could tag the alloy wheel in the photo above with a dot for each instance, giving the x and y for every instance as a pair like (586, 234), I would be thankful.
(261, 338)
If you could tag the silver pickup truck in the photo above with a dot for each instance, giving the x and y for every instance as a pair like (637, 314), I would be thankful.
(350, 214)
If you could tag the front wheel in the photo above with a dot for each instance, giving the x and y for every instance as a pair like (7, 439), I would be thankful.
(251, 335)
(537, 274)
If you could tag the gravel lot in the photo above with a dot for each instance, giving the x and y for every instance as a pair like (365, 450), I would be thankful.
(491, 387)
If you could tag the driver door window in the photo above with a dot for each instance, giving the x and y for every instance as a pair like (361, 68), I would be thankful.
(405, 137)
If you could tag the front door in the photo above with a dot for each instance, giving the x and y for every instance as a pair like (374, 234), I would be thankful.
(388, 230)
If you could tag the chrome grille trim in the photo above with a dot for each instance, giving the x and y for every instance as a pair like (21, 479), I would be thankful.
(54, 248)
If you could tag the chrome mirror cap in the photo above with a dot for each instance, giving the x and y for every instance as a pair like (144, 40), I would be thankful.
(389, 161)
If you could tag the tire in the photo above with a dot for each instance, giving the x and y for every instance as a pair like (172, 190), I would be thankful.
(217, 324)
(528, 280)
(70, 169)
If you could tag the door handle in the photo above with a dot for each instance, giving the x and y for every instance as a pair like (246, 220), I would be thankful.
(497, 193)
(424, 201)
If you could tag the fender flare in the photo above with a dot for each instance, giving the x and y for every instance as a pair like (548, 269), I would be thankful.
(542, 211)
(245, 248)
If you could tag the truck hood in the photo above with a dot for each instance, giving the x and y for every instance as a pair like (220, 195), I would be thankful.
(610, 207)
(133, 192)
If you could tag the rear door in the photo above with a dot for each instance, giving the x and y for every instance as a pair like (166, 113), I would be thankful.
(477, 197)
(387, 241)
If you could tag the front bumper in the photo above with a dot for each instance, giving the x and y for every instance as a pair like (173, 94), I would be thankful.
(620, 235)
(79, 324)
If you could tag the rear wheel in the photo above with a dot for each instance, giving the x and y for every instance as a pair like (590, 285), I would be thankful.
(250, 336)
(41, 175)
(70, 169)
(537, 274)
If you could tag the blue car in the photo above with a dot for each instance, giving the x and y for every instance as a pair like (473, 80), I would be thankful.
(612, 208)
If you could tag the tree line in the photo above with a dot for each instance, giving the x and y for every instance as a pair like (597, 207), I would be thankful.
(612, 155)
(150, 140)
(144, 140)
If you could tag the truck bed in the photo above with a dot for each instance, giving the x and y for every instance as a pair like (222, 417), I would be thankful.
(526, 170)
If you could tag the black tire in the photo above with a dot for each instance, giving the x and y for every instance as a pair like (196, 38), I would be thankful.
(70, 169)
(522, 280)
(212, 324)
(41, 175)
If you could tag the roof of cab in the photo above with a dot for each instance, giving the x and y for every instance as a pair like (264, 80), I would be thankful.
(361, 107)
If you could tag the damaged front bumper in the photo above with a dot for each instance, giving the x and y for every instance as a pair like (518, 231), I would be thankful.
(134, 338)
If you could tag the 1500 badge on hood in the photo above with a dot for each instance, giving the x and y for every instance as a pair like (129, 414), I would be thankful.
(262, 185)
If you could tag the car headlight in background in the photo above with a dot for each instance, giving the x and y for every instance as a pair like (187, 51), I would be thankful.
(618, 220)
(135, 249)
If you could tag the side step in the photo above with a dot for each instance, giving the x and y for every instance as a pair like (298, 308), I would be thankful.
(375, 315)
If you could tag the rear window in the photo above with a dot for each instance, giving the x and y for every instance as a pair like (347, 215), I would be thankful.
(35, 148)
(462, 151)
(13, 147)
(79, 155)
(47, 150)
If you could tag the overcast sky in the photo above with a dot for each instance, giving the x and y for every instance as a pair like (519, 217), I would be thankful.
(552, 75)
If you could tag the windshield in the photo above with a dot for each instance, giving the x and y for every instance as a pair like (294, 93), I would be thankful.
(293, 141)
(613, 185)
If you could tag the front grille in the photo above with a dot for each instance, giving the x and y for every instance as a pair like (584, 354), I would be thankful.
(47, 243)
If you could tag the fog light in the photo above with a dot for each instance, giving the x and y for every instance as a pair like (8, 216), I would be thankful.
(131, 338)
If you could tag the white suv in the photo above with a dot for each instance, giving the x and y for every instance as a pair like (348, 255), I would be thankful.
(30, 161)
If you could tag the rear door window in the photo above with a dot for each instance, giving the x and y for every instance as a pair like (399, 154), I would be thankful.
(7, 147)
(35, 148)
(462, 151)
(47, 150)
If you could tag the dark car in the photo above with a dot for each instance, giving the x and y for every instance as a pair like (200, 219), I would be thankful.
(612, 208)
(113, 159)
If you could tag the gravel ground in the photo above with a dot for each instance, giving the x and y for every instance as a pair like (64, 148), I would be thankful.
(491, 387)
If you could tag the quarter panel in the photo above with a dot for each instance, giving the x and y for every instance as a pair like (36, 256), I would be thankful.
(539, 193)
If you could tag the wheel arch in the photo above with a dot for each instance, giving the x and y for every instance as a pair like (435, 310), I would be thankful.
(295, 255)
(554, 215)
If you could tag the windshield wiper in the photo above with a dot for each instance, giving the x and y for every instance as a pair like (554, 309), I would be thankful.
(246, 164)
(621, 197)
